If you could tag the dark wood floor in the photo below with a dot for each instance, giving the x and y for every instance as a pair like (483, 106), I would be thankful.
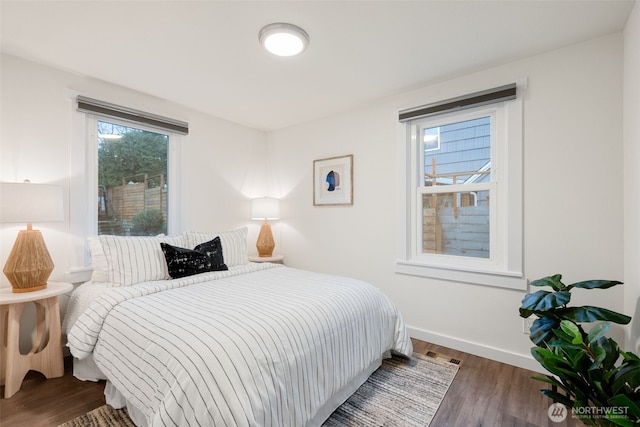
(484, 393)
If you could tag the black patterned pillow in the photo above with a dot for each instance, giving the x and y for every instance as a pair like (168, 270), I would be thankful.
(183, 262)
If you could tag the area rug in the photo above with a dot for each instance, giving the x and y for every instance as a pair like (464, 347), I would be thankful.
(400, 393)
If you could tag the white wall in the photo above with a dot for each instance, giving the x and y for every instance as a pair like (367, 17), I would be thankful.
(632, 175)
(572, 196)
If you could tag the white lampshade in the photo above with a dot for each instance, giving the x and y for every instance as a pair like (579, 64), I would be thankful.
(30, 203)
(265, 208)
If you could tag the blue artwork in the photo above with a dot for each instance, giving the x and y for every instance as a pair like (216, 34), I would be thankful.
(333, 179)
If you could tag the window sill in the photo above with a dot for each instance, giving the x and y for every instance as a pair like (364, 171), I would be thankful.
(500, 279)
(78, 275)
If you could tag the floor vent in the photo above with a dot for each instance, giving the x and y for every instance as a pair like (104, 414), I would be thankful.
(435, 355)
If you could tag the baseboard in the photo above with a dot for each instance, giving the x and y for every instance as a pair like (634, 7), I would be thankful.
(510, 358)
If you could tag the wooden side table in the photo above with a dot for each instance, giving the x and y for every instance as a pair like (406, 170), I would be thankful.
(46, 352)
(275, 258)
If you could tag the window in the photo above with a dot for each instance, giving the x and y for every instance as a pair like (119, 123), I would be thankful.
(132, 180)
(116, 148)
(462, 185)
(456, 188)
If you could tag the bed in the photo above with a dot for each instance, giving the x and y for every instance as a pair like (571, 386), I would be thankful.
(253, 344)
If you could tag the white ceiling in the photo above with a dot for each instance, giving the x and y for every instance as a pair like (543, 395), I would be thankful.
(206, 55)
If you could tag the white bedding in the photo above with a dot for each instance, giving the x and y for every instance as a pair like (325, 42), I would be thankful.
(258, 345)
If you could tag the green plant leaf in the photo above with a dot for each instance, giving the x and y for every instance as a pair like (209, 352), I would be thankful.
(542, 329)
(565, 345)
(552, 281)
(546, 358)
(562, 334)
(551, 380)
(597, 331)
(579, 358)
(623, 423)
(629, 356)
(566, 371)
(545, 300)
(525, 313)
(613, 352)
(595, 284)
(628, 374)
(588, 313)
(558, 397)
(599, 392)
(572, 330)
(620, 421)
(599, 355)
(633, 408)
(552, 362)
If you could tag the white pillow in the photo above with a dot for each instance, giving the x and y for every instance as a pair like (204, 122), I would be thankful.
(100, 272)
(234, 244)
(125, 261)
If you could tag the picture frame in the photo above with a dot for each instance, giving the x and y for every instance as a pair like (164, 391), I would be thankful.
(333, 181)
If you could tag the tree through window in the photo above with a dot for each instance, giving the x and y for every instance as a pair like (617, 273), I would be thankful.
(132, 180)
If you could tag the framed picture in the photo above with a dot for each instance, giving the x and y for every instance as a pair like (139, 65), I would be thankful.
(333, 181)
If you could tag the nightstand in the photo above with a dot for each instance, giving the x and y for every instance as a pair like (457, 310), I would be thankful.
(275, 258)
(46, 353)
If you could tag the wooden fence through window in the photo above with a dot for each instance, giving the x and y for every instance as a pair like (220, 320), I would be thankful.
(454, 225)
(132, 197)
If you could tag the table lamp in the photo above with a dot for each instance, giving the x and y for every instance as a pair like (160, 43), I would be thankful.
(265, 208)
(29, 264)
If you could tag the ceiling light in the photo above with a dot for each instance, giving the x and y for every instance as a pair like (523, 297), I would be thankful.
(283, 39)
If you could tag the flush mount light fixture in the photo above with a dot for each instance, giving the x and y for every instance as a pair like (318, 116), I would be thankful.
(283, 39)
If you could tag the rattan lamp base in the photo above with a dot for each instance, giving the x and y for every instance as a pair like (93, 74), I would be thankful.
(265, 243)
(29, 264)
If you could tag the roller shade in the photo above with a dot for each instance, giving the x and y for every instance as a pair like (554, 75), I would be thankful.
(89, 105)
(489, 96)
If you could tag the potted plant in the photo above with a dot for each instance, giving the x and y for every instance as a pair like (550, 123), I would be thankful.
(601, 382)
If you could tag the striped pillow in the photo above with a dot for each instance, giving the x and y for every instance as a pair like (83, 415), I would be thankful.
(125, 261)
(234, 244)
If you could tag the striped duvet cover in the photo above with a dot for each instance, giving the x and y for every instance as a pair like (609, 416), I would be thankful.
(261, 345)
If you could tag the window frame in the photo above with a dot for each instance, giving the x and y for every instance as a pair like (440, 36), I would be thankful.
(421, 189)
(83, 192)
(505, 267)
(174, 140)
